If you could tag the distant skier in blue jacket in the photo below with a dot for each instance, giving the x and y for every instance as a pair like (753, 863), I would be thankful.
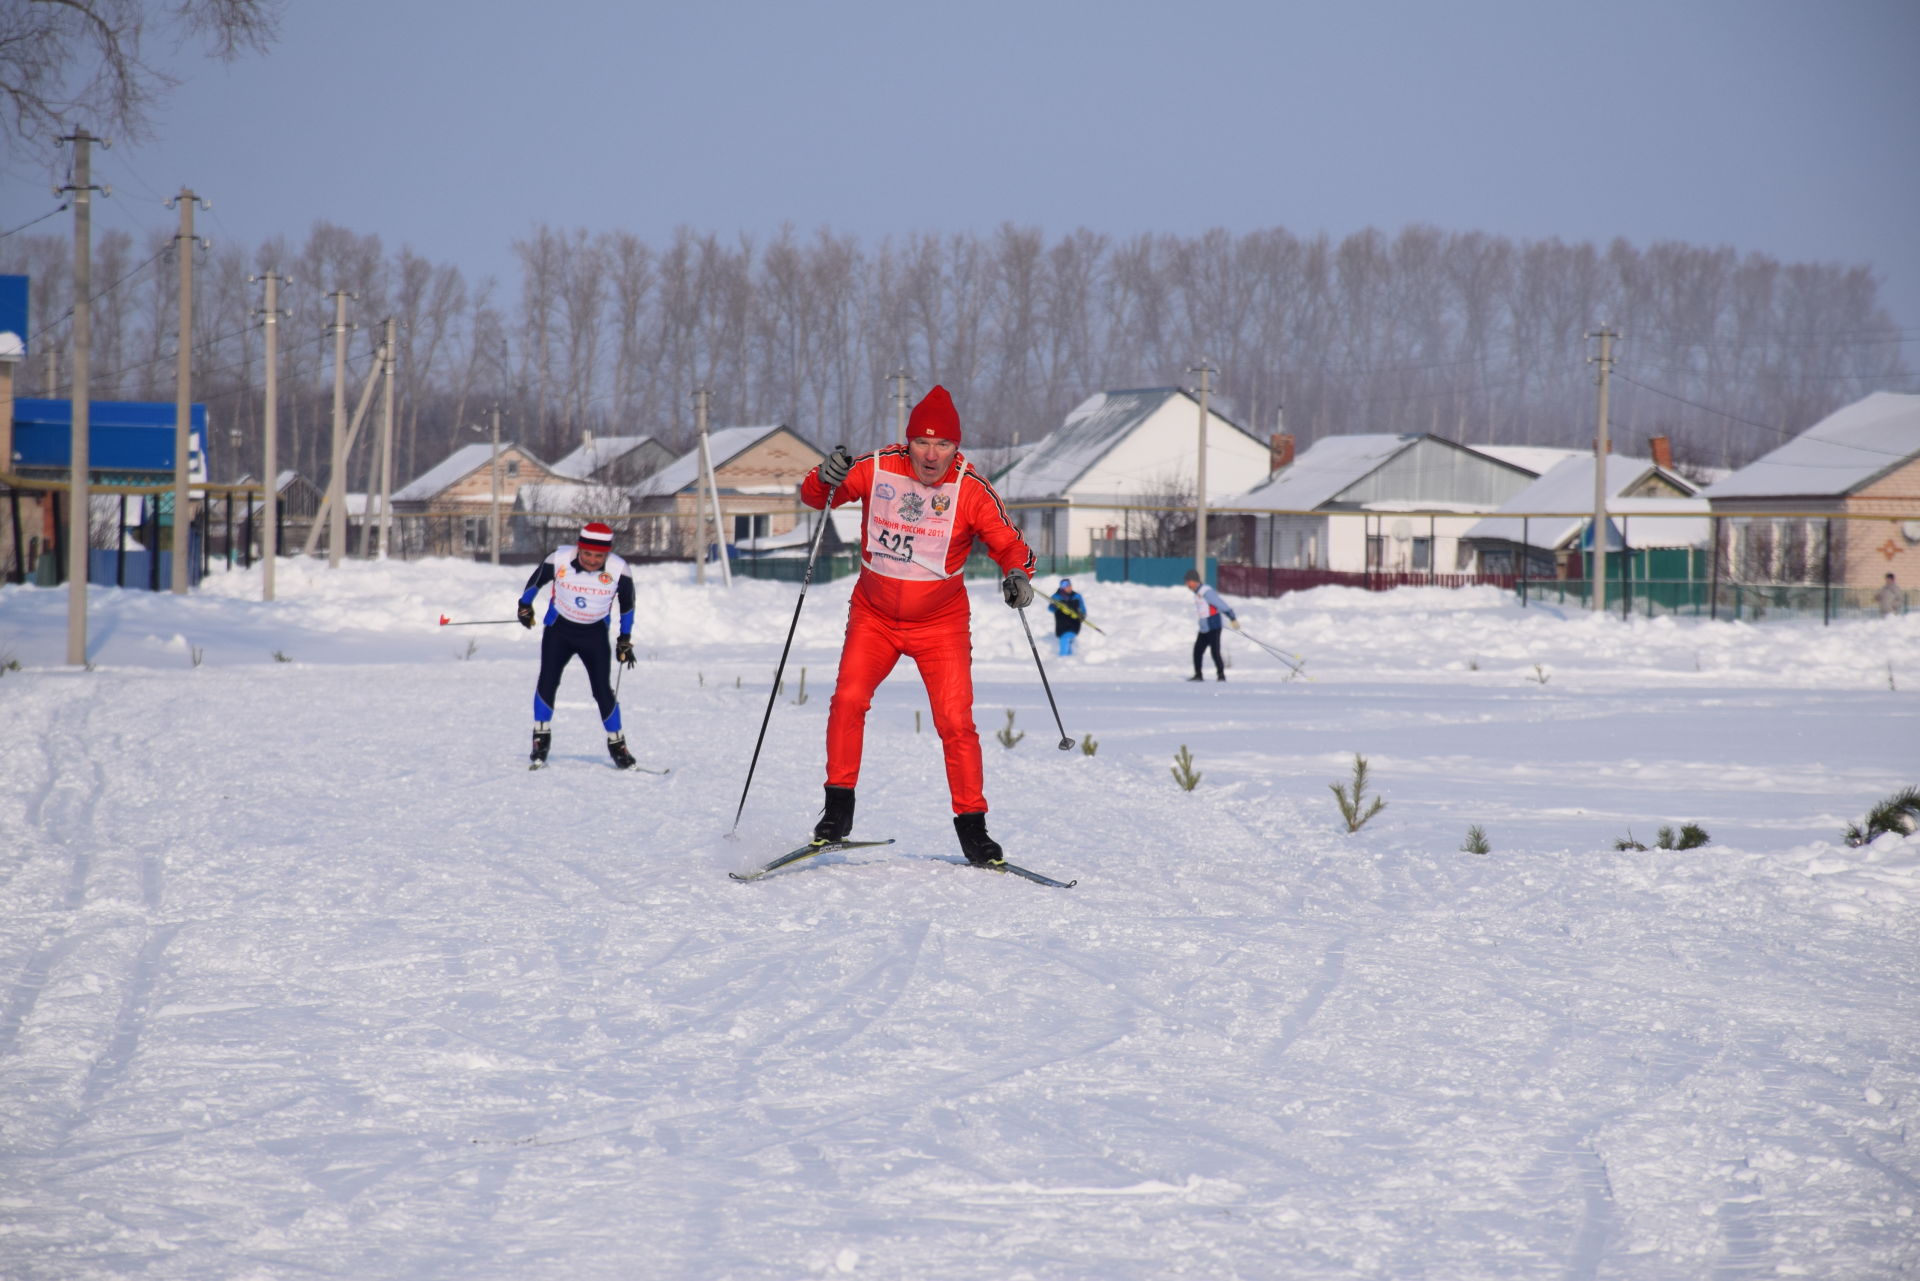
(1209, 609)
(1069, 609)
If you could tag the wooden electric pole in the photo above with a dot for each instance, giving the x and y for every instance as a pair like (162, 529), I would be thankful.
(79, 488)
(1601, 448)
(1206, 372)
(183, 247)
(270, 444)
(337, 482)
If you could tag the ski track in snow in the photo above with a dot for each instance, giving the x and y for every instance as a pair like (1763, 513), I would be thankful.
(303, 974)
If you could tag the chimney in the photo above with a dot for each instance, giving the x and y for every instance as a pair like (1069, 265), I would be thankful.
(1662, 448)
(1280, 446)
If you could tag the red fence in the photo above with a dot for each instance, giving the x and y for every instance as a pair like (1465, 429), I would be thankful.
(1257, 580)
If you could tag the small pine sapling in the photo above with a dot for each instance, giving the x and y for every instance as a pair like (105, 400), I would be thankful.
(1087, 746)
(1898, 813)
(198, 655)
(1539, 676)
(1351, 806)
(1006, 734)
(1627, 842)
(1690, 836)
(280, 657)
(1476, 842)
(473, 647)
(1183, 771)
(800, 699)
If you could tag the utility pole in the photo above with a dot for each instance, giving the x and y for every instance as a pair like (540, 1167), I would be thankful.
(1601, 448)
(899, 381)
(1206, 372)
(337, 483)
(700, 399)
(699, 490)
(50, 367)
(184, 244)
(386, 451)
(79, 487)
(493, 538)
(270, 446)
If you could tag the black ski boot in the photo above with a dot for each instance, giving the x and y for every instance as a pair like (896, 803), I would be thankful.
(981, 850)
(836, 818)
(542, 741)
(617, 748)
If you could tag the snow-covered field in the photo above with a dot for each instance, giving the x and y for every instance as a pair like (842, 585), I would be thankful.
(302, 974)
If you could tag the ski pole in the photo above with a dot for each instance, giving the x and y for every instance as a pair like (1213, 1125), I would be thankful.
(1071, 612)
(478, 622)
(1297, 667)
(826, 515)
(1066, 744)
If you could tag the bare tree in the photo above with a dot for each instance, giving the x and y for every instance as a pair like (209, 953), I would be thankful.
(84, 62)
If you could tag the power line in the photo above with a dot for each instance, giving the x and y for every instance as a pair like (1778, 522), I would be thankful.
(42, 218)
(1778, 431)
(68, 313)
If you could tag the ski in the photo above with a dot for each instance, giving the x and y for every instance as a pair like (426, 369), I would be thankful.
(804, 852)
(1035, 877)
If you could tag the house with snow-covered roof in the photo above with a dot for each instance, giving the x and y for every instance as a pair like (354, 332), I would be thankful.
(1121, 449)
(1375, 501)
(757, 471)
(1859, 462)
(449, 507)
(1541, 531)
(614, 460)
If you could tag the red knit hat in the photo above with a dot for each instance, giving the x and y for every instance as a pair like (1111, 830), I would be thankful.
(597, 537)
(934, 417)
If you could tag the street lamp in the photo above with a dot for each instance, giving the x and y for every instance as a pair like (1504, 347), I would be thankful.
(493, 538)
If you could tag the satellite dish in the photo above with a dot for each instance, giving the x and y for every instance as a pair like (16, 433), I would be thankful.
(1402, 530)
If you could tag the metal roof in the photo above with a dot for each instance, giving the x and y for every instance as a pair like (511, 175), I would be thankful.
(1841, 453)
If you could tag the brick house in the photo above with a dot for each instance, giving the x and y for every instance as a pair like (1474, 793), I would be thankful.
(447, 510)
(1808, 508)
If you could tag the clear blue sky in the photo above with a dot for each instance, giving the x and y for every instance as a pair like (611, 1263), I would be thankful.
(1783, 126)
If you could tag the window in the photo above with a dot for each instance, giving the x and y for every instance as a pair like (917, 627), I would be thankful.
(513, 468)
(1423, 553)
(1376, 551)
(745, 527)
(473, 533)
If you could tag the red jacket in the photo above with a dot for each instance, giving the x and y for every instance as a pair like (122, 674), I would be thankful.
(914, 538)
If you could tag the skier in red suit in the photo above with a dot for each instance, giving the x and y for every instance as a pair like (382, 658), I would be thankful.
(923, 508)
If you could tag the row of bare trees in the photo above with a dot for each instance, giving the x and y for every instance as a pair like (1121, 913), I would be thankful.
(1480, 338)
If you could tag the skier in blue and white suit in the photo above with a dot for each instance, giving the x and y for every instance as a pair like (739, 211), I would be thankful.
(587, 580)
(1209, 609)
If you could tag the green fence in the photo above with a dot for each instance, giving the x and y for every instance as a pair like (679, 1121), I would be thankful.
(1701, 598)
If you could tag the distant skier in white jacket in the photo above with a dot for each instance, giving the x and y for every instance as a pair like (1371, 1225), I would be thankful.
(1209, 609)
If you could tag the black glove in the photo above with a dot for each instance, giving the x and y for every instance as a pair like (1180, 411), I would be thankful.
(833, 472)
(623, 651)
(525, 614)
(1016, 589)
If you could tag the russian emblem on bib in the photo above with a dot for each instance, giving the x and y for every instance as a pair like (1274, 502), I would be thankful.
(911, 507)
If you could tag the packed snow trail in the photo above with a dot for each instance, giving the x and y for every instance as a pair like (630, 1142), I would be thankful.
(303, 973)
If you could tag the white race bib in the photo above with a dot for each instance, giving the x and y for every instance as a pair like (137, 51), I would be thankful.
(910, 526)
(585, 596)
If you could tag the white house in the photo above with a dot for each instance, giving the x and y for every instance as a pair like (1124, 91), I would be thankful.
(1124, 449)
(1398, 503)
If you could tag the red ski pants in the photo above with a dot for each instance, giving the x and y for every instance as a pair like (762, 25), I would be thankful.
(942, 647)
